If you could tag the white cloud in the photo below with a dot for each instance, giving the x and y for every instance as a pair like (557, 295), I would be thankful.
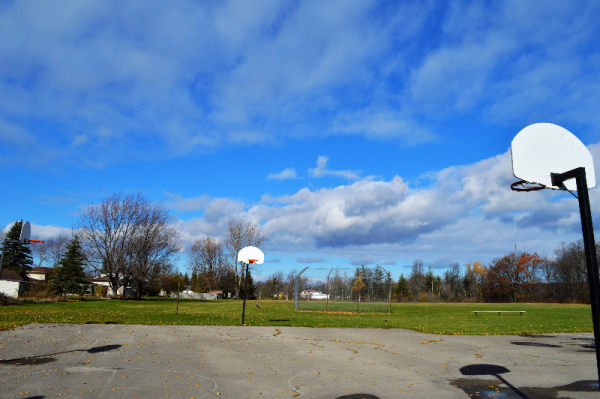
(311, 259)
(287, 173)
(382, 124)
(322, 171)
(465, 213)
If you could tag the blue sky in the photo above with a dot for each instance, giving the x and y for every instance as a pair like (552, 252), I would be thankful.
(350, 131)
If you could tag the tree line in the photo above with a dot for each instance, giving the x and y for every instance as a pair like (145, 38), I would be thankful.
(514, 277)
(133, 242)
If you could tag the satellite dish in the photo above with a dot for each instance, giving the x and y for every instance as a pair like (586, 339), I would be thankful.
(251, 255)
(25, 233)
(544, 148)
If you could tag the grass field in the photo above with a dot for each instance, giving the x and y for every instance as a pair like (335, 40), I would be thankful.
(345, 306)
(440, 318)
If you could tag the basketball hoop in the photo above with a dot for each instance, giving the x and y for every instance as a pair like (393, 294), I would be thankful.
(555, 158)
(523, 185)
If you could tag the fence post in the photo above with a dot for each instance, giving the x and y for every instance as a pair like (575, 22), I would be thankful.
(296, 288)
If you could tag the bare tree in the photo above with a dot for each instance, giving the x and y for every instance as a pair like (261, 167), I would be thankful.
(240, 235)
(48, 253)
(106, 231)
(207, 261)
(152, 245)
(416, 280)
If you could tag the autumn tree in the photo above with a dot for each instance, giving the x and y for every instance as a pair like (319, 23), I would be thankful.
(511, 276)
(241, 235)
(358, 284)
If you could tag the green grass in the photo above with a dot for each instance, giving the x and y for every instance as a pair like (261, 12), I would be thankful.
(441, 318)
(345, 306)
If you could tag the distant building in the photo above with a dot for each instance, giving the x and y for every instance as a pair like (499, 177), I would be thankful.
(40, 273)
(11, 283)
(313, 295)
(189, 294)
(105, 289)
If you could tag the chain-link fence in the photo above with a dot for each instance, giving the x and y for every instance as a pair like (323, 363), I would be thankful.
(366, 290)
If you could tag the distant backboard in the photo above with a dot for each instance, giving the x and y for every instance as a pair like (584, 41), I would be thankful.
(251, 255)
(544, 148)
(25, 233)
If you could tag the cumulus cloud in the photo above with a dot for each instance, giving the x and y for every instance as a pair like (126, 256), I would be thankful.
(321, 170)
(465, 211)
(287, 173)
(44, 232)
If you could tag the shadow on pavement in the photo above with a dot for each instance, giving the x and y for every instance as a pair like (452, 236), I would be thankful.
(500, 388)
(43, 359)
(538, 344)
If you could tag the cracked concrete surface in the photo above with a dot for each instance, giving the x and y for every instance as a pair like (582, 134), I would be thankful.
(129, 361)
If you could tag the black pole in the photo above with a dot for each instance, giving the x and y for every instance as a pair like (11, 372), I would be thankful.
(2, 256)
(245, 293)
(589, 246)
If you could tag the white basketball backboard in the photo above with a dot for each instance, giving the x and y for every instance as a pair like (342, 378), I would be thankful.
(544, 148)
(251, 255)
(25, 232)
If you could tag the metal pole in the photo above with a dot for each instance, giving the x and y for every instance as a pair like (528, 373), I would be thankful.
(589, 246)
(297, 288)
(245, 293)
(389, 275)
(327, 299)
(2, 257)
(296, 292)
(178, 289)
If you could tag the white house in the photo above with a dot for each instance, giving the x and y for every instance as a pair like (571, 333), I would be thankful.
(102, 281)
(11, 283)
(40, 273)
(313, 295)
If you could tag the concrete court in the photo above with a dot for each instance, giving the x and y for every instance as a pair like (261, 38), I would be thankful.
(129, 361)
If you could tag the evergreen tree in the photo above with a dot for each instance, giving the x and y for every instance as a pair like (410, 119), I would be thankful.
(17, 256)
(401, 288)
(70, 277)
(251, 287)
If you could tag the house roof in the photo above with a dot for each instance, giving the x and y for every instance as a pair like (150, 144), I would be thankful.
(40, 270)
(10, 274)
